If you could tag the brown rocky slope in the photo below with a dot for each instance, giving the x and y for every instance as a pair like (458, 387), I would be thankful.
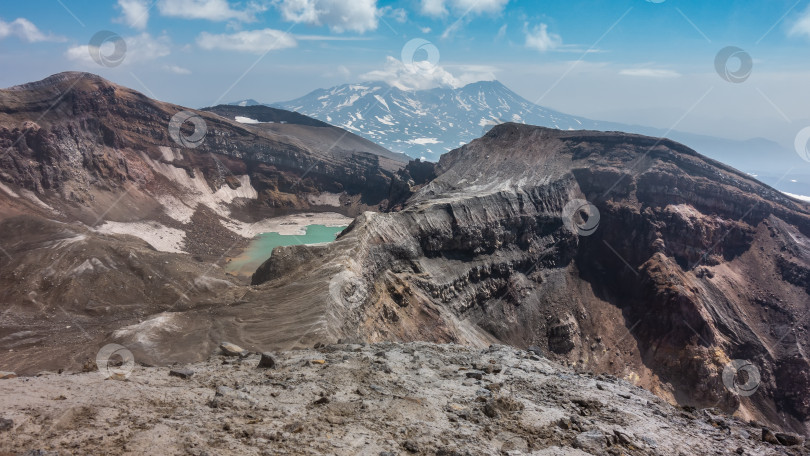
(87, 167)
(693, 265)
(377, 400)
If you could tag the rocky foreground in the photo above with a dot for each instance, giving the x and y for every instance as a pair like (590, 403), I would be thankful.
(378, 399)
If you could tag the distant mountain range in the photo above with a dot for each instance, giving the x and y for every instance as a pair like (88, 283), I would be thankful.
(429, 123)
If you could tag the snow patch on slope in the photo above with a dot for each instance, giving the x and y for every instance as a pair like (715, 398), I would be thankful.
(198, 192)
(246, 120)
(8, 190)
(162, 238)
(798, 197)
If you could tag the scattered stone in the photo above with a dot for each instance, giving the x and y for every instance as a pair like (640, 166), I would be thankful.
(6, 424)
(564, 412)
(500, 405)
(623, 438)
(491, 367)
(590, 441)
(89, 366)
(587, 407)
(788, 439)
(768, 436)
(225, 396)
(267, 361)
(535, 349)
(411, 446)
(651, 442)
(229, 349)
(224, 391)
(7, 375)
(181, 373)
(514, 445)
(478, 375)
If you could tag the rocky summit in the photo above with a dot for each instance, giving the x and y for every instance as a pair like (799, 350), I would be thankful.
(367, 399)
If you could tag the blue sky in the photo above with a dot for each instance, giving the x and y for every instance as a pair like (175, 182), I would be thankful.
(633, 61)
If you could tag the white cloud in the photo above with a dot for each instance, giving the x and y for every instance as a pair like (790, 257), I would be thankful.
(434, 8)
(177, 69)
(140, 48)
(398, 14)
(649, 73)
(340, 15)
(802, 26)
(134, 13)
(501, 32)
(423, 75)
(25, 30)
(212, 10)
(540, 39)
(254, 41)
(438, 8)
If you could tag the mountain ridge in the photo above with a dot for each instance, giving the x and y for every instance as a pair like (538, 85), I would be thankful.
(448, 118)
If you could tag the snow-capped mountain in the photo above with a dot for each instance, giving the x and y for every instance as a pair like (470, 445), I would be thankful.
(428, 122)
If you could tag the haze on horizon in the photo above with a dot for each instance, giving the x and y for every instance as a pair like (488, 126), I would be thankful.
(646, 62)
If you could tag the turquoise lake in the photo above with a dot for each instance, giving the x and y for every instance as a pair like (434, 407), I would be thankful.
(262, 246)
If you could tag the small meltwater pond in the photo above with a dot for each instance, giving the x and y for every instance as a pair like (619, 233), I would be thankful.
(262, 246)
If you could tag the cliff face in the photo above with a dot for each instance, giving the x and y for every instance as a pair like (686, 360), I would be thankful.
(692, 265)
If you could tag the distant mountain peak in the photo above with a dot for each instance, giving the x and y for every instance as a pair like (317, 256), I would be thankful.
(426, 123)
(429, 123)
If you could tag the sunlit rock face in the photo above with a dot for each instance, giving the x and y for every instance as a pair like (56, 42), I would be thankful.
(692, 265)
